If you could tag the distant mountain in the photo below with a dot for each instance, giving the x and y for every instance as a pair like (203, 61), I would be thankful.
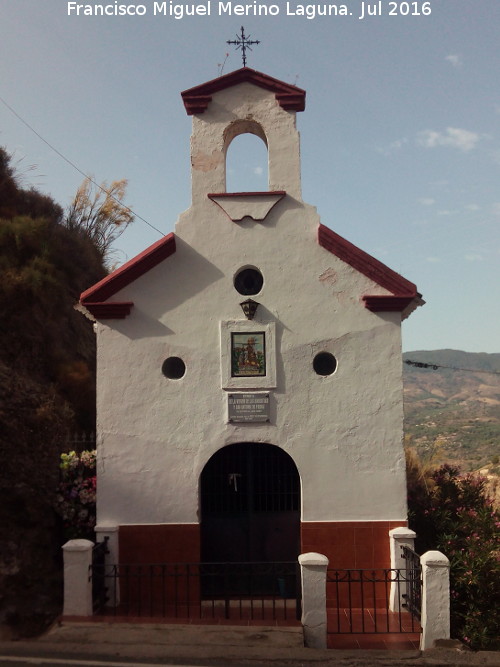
(452, 412)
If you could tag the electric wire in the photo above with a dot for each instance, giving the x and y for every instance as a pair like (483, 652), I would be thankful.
(434, 367)
(72, 164)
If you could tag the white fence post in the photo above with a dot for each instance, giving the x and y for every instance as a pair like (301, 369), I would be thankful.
(77, 579)
(435, 618)
(313, 571)
(399, 537)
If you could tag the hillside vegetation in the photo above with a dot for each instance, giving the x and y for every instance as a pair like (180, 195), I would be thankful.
(453, 414)
(47, 389)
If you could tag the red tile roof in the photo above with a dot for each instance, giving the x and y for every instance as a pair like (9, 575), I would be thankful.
(197, 99)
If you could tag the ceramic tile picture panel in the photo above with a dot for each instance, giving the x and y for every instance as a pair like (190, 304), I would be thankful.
(248, 354)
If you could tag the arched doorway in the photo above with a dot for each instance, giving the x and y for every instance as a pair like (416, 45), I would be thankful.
(250, 505)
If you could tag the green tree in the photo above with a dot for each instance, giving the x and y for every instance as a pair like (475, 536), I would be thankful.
(47, 390)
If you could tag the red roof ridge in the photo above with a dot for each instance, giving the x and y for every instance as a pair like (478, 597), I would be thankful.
(403, 292)
(110, 310)
(369, 266)
(290, 97)
(130, 271)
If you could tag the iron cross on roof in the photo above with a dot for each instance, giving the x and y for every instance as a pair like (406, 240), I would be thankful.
(243, 42)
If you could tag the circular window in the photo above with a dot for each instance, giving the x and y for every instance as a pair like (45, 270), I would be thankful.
(173, 368)
(249, 281)
(324, 363)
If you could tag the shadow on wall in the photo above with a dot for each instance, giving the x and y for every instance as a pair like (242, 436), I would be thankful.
(174, 281)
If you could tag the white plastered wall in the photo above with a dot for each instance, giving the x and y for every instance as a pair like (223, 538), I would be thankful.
(227, 114)
(343, 431)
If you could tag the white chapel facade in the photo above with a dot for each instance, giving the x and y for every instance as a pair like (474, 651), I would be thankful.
(249, 371)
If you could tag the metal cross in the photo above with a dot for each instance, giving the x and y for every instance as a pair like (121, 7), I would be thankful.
(243, 43)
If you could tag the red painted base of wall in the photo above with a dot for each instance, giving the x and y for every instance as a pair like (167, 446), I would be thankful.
(160, 543)
(347, 544)
(350, 544)
(149, 590)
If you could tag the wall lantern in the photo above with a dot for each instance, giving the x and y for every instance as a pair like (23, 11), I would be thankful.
(249, 307)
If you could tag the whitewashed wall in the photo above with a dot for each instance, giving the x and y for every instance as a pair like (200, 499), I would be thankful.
(343, 431)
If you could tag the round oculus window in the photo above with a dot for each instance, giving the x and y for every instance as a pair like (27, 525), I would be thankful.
(173, 368)
(249, 282)
(324, 363)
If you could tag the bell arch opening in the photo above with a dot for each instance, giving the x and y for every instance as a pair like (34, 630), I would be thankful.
(246, 159)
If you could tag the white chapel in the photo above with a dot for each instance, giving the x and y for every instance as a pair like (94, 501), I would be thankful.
(249, 371)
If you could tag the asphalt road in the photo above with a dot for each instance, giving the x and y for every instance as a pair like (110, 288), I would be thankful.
(87, 661)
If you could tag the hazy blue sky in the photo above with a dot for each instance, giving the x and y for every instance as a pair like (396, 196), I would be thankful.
(400, 139)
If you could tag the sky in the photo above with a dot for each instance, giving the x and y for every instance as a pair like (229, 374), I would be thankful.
(400, 138)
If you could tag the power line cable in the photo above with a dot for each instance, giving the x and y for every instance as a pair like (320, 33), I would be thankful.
(434, 367)
(136, 215)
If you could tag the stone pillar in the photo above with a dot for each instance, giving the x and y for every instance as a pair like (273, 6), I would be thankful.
(112, 558)
(435, 618)
(313, 572)
(77, 578)
(399, 537)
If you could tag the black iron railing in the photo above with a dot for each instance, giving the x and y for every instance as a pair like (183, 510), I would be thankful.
(80, 441)
(413, 575)
(98, 574)
(231, 591)
(359, 601)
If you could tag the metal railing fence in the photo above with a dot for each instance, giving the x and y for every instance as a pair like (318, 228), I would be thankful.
(358, 601)
(231, 591)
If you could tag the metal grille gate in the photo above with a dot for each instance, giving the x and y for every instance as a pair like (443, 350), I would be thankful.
(250, 477)
(413, 576)
(359, 601)
(250, 500)
(98, 575)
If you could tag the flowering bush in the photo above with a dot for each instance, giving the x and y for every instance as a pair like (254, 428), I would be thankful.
(76, 493)
(453, 514)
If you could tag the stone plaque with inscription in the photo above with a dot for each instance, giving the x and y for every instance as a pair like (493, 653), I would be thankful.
(246, 407)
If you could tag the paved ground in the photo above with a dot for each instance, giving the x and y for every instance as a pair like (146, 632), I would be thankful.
(157, 644)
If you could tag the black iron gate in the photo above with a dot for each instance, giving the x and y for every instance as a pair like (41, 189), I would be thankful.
(359, 601)
(98, 574)
(250, 506)
(413, 576)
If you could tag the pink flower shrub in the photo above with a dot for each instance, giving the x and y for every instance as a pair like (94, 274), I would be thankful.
(76, 494)
(453, 514)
